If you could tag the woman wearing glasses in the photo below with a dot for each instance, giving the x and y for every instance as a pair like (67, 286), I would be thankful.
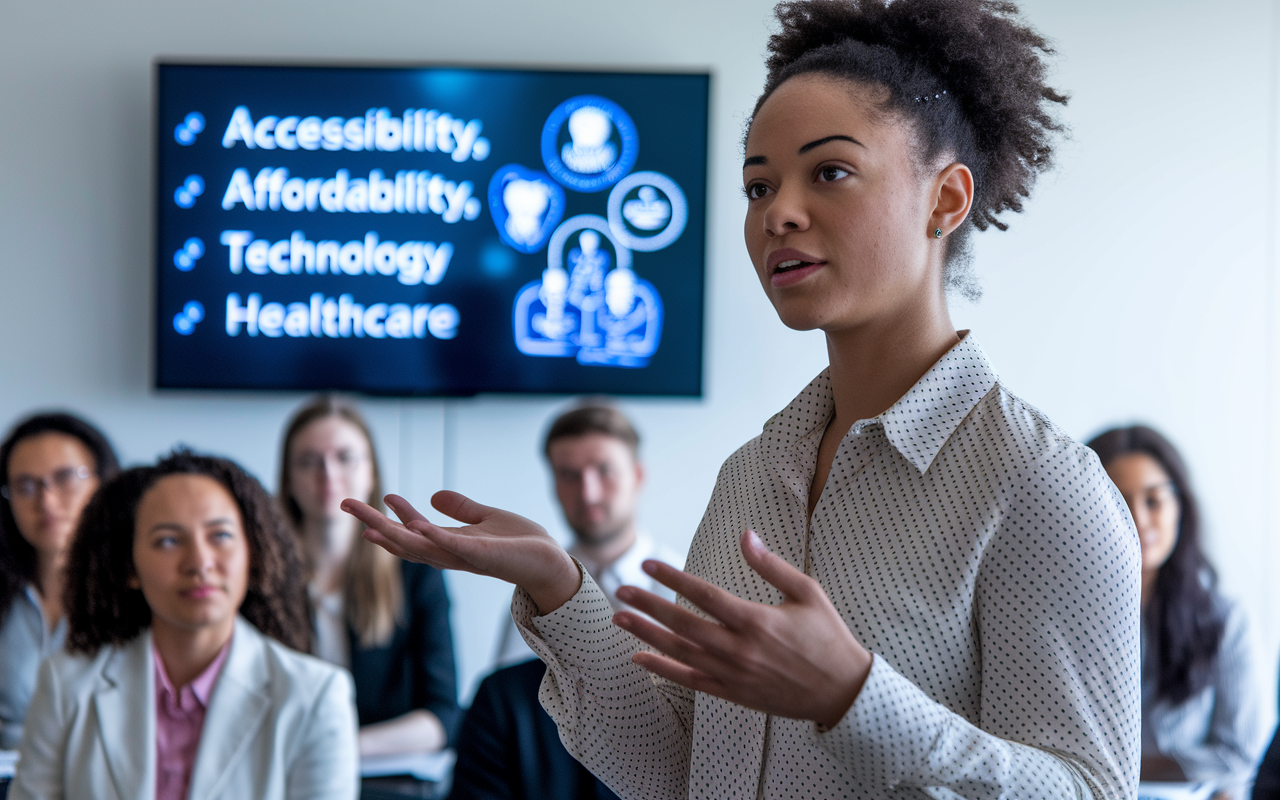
(1200, 717)
(50, 465)
(384, 619)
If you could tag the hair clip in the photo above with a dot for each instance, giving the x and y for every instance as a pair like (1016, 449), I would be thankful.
(926, 98)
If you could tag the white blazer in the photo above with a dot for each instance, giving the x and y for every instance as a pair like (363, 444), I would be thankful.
(279, 725)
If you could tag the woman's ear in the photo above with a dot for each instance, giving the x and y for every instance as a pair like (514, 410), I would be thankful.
(953, 197)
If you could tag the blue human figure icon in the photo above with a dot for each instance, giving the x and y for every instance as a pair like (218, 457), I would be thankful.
(588, 264)
(627, 324)
(546, 323)
(589, 150)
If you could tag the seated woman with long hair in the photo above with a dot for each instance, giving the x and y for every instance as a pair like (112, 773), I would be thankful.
(181, 676)
(384, 619)
(50, 465)
(1200, 711)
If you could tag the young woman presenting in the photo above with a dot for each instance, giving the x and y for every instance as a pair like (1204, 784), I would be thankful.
(936, 593)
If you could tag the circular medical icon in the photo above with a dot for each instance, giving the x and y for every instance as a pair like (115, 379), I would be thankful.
(589, 142)
(647, 211)
(526, 205)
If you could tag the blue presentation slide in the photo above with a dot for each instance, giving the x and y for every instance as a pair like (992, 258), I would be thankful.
(434, 231)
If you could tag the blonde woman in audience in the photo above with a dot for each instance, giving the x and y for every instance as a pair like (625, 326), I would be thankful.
(1201, 719)
(911, 583)
(50, 465)
(181, 676)
(384, 619)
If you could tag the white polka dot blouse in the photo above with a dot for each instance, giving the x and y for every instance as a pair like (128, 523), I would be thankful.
(983, 557)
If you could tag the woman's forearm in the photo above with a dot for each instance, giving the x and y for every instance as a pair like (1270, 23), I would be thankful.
(418, 731)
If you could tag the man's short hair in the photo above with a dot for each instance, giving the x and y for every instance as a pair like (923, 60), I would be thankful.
(593, 418)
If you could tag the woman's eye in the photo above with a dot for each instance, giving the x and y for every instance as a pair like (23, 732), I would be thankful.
(755, 191)
(832, 173)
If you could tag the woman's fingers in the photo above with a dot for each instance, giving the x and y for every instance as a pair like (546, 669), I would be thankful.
(683, 674)
(403, 508)
(733, 611)
(709, 635)
(793, 583)
(460, 507)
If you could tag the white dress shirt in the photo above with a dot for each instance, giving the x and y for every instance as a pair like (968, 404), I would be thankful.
(980, 554)
(1218, 734)
(623, 571)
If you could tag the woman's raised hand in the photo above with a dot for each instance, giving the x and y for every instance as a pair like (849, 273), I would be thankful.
(493, 542)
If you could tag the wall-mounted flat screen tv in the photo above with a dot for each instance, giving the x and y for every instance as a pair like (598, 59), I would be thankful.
(430, 230)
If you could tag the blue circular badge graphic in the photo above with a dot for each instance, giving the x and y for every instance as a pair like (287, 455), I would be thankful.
(589, 142)
(647, 211)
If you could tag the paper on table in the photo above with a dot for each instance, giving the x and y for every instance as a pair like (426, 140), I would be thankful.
(423, 766)
(1149, 790)
(8, 758)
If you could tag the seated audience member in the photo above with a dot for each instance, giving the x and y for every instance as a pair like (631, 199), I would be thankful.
(385, 619)
(594, 454)
(184, 598)
(1200, 717)
(509, 748)
(50, 465)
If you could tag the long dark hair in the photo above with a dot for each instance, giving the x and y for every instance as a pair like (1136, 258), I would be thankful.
(1184, 626)
(17, 556)
(102, 609)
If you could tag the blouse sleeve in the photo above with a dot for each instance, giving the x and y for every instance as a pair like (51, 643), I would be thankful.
(435, 680)
(632, 731)
(1237, 732)
(43, 752)
(1057, 615)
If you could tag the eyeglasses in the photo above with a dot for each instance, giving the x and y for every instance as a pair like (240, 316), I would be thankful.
(61, 482)
(343, 461)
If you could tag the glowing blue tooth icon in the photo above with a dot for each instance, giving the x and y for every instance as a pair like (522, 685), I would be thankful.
(184, 322)
(185, 259)
(186, 194)
(192, 124)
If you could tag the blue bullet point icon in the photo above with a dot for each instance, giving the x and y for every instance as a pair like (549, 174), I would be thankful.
(192, 124)
(186, 194)
(184, 322)
(186, 258)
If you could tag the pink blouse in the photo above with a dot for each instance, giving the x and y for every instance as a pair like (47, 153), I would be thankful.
(179, 720)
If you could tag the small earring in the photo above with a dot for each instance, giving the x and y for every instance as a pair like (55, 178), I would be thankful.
(937, 233)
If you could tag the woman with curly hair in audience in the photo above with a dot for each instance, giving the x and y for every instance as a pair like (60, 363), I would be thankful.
(182, 676)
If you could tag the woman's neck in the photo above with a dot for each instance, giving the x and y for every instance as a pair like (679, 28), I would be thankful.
(49, 585)
(873, 366)
(329, 543)
(187, 653)
(1148, 586)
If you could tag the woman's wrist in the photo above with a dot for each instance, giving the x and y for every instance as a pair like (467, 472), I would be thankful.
(550, 595)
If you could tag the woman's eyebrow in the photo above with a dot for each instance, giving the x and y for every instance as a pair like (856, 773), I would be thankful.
(820, 142)
(754, 161)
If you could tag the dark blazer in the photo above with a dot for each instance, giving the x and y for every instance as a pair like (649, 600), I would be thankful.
(509, 748)
(415, 669)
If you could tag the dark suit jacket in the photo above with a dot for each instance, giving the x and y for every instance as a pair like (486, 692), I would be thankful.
(509, 748)
(1267, 785)
(415, 669)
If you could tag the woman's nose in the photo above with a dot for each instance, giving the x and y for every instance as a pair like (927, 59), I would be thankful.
(786, 213)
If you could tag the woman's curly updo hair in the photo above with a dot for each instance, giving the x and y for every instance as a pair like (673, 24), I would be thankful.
(102, 609)
(968, 75)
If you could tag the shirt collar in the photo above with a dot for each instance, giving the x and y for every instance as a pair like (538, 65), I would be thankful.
(200, 688)
(627, 566)
(917, 425)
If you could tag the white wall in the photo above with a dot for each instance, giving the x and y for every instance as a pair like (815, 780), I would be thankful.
(1138, 285)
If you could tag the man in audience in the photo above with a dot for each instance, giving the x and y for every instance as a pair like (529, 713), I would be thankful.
(509, 747)
(593, 452)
